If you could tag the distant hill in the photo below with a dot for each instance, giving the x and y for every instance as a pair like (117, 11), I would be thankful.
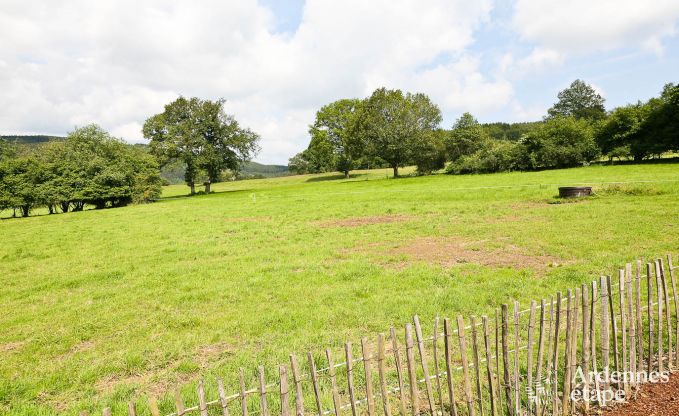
(30, 139)
(266, 170)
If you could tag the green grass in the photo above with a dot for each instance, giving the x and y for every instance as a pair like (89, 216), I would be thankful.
(102, 306)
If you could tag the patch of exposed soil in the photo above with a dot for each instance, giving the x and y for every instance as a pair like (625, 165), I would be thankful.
(161, 380)
(207, 353)
(11, 346)
(361, 221)
(654, 399)
(247, 219)
(449, 252)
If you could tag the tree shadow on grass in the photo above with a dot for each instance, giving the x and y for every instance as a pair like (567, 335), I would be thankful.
(203, 194)
(335, 177)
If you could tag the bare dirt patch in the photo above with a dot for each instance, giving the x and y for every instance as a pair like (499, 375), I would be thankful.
(247, 219)
(210, 352)
(449, 252)
(654, 399)
(361, 221)
(11, 346)
(160, 380)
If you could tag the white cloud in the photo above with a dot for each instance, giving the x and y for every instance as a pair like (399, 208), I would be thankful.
(117, 62)
(579, 26)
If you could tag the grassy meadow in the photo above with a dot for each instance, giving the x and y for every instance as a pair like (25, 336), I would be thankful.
(102, 306)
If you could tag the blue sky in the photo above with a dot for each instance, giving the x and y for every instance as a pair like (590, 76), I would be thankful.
(115, 63)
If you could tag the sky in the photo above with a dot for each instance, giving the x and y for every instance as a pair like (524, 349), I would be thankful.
(69, 63)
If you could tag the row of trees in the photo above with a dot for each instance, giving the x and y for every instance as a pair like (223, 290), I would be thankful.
(388, 128)
(394, 129)
(92, 168)
(89, 167)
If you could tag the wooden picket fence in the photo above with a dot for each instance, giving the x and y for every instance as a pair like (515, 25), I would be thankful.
(515, 362)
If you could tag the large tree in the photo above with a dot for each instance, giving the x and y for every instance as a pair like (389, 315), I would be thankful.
(466, 137)
(391, 124)
(579, 100)
(560, 142)
(334, 125)
(615, 135)
(200, 134)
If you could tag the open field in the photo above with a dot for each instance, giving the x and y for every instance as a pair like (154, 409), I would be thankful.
(101, 306)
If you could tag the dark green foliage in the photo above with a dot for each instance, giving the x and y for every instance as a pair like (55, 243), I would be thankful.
(391, 124)
(394, 129)
(89, 167)
(494, 156)
(618, 130)
(559, 143)
(429, 154)
(200, 134)
(334, 128)
(466, 137)
(509, 131)
(643, 130)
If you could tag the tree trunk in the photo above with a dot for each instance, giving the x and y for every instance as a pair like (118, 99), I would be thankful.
(346, 174)
(65, 206)
(207, 187)
(193, 188)
(395, 171)
(51, 208)
(25, 210)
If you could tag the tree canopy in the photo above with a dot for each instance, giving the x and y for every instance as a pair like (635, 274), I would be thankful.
(579, 100)
(391, 124)
(200, 134)
(334, 128)
(89, 167)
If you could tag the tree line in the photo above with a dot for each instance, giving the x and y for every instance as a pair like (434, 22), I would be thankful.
(90, 167)
(394, 129)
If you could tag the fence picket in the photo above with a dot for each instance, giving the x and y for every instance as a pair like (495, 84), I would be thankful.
(675, 296)
(668, 313)
(565, 401)
(243, 394)
(367, 368)
(555, 357)
(284, 390)
(477, 365)
(350, 377)
(489, 366)
(399, 371)
(585, 345)
(314, 383)
(425, 364)
(505, 360)
(336, 405)
(465, 365)
(297, 380)
(202, 403)
(435, 354)
(382, 375)
(649, 294)
(412, 376)
(153, 406)
(447, 339)
(529, 353)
